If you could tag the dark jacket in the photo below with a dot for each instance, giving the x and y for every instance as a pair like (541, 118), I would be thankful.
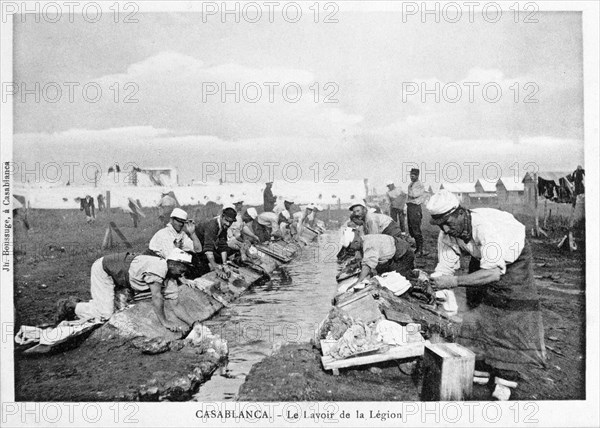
(268, 200)
(210, 237)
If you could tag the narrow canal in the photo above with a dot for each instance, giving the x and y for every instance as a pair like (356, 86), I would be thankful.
(286, 309)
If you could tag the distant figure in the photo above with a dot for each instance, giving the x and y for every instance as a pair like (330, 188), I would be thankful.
(397, 201)
(101, 204)
(268, 198)
(416, 197)
(87, 205)
(165, 206)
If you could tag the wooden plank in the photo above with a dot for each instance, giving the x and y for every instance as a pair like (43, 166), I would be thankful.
(409, 350)
(363, 308)
(447, 372)
(120, 234)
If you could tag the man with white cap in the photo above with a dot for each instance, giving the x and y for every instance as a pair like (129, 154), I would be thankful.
(267, 225)
(397, 201)
(240, 231)
(178, 233)
(374, 223)
(379, 253)
(503, 324)
(138, 274)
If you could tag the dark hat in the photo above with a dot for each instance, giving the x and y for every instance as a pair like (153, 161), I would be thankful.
(230, 213)
(415, 171)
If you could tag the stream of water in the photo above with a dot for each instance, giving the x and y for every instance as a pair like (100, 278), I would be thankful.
(287, 309)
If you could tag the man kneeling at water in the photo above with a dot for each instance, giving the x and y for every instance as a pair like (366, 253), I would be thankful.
(139, 273)
(380, 254)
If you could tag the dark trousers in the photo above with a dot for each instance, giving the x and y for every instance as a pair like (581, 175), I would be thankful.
(398, 215)
(415, 215)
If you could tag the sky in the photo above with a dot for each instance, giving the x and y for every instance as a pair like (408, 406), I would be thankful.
(361, 112)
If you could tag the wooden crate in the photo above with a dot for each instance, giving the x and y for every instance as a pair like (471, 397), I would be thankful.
(447, 372)
(410, 350)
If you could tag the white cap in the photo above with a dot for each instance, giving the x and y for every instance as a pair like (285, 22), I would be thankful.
(310, 207)
(347, 236)
(443, 202)
(178, 255)
(252, 213)
(179, 213)
(358, 203)
(289, 198)
(318, 207)
(228, 205)
(389, 182)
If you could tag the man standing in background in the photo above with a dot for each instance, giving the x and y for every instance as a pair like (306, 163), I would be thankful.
(268, 198)
(416, 197)
(397, 201)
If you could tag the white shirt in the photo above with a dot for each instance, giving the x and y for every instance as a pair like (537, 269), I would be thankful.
(269, 219)
(498, 239)
(377, 249)
(167, 238)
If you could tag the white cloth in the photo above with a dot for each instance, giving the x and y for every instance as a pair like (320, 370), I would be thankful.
(498, 239)
(167, 238)
(102, 287)
(442, 202)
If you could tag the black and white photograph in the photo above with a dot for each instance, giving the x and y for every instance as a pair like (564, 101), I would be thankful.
(320, 213)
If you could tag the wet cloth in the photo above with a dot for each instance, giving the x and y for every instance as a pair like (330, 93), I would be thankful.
(505, 326)
(168, 238)
(87, 205)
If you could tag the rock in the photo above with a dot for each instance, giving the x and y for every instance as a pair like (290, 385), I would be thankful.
(375, 370)
(152, 346)
(43, 286)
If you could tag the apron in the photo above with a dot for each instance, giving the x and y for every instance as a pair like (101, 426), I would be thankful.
(504, 324)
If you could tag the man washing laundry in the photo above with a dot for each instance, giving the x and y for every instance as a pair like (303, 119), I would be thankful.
(503, 324)
(139, 274)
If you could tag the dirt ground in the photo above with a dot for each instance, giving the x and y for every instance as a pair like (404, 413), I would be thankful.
(296, 373)
(53, 261)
